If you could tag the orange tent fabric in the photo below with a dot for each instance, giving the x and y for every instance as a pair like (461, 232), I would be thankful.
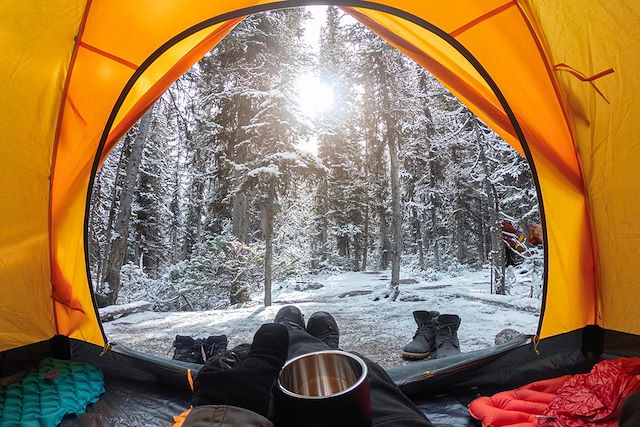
(76, 74)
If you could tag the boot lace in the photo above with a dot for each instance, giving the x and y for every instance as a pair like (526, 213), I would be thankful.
(423, 329)
(445, 335)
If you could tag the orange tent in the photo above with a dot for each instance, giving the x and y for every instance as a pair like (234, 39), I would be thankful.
(556, 80)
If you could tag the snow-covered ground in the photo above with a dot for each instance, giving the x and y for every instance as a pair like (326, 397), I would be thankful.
(377, 329)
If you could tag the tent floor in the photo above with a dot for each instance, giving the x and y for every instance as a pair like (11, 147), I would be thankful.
(131, 403)
(128, 403)
(146, 390)
(448, 411)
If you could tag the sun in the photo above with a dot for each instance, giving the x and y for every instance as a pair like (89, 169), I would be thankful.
(314, 95)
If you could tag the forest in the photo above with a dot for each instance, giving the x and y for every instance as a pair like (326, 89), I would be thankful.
(236, 179)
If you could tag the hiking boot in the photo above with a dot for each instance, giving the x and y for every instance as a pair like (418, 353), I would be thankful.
(290, 316)
(188, 349)
(228, 359)
(215, 344)
(323, 326)
(424, 340)
(447, 343)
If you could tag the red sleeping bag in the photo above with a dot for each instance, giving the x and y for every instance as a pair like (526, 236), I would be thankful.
(592, 399)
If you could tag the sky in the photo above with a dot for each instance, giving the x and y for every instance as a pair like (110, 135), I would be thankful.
(314, 96)
(312, 29)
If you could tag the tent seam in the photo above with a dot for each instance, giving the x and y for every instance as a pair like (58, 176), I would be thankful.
(56, 141)
(541, 44)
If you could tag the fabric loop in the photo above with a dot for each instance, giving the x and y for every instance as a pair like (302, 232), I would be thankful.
(583, 78)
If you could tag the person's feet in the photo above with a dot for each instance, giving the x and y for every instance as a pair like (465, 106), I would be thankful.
(290, 316)
(323, 326)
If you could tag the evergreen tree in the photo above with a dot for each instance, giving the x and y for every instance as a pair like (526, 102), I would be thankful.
(340, 201)
(384, 71)
(274, 128)
(150, 210)
(403, 170)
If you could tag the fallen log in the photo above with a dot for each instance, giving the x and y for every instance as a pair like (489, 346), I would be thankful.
(115, 311)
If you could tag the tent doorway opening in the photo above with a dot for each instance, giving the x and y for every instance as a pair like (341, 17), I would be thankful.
(365, 189)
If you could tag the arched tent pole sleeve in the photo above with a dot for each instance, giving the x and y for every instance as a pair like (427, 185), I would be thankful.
(76, 314)
(146, 94)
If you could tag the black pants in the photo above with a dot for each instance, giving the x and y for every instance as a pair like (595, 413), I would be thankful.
(389, 406)
(630, 413)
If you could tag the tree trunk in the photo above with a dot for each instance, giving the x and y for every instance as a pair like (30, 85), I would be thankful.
(419, 243)
(113, 208)
(418, 247)
(396, 218)
(459, 230)
(497, 249)
(385, 243)
(357, 252)
(240, 221)
(96, 229)
(324, 233)
(365, 238)
(324, 221)
(119, 244)
(480, 242)
(436, 237)
(434, 170)
(174, 224)
(343, 246)
(267, 215)
(193, 224)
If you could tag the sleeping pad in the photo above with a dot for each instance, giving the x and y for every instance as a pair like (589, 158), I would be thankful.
(592, 399)
(49, 392)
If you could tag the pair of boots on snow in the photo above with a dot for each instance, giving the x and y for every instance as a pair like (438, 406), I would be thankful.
(198, 350)
(436, 336)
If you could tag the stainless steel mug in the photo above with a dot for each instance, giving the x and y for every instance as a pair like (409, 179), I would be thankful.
(324, 388)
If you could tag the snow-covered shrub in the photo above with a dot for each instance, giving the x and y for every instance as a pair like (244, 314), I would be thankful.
(222, 271)
(136, 285)
(533, 267)
(454, 268)
(430, 275)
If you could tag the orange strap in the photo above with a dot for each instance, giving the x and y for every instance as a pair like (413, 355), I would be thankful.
(108, 55)
(190, 379)
(178, 420)
(580, 76)
(490, 14)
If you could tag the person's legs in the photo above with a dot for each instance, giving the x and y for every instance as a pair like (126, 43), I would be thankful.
(630, 413)
(389, 406)
(248, 383)
(300, 341)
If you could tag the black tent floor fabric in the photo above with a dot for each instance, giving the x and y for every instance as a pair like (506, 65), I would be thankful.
(145, 390)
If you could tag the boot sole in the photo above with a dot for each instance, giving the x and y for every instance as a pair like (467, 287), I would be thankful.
(415, 356)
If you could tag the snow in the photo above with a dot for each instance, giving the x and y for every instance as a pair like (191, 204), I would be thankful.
(265, 170)
(377, 329)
